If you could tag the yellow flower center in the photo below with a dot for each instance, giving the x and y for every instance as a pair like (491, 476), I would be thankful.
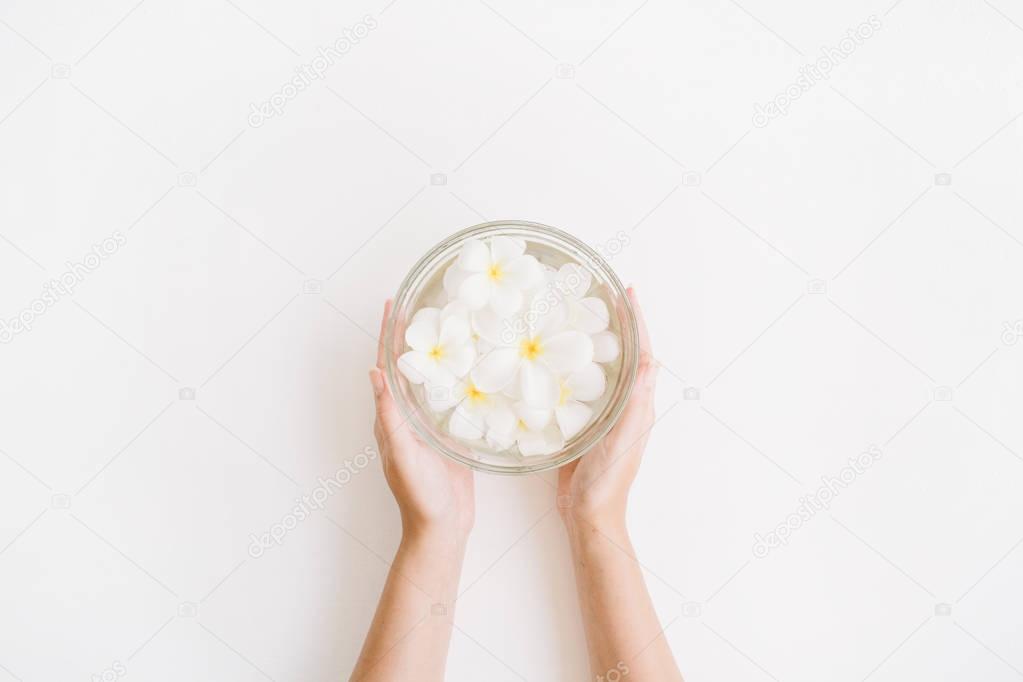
(436, 353)
(475, 395)
(531, 349)
(564, 394)
(495, 273)
(522, 425)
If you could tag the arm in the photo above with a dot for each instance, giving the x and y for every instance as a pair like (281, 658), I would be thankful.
(411, 630)
(622, 630)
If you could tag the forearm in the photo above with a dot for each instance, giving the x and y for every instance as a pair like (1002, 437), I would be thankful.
(411, 630)
(622, 629)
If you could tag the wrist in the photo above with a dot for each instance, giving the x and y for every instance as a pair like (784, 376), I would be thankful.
(436, 537)
(609, 525)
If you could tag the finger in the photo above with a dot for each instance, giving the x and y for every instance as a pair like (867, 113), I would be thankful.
(638, 412)
(646, 376)
(381, 351)
(644, 334)
(391, 422)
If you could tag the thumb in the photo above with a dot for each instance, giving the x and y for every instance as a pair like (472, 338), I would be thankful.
(386, 409)
(390, 418)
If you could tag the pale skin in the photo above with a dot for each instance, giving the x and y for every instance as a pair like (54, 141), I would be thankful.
(411, 631)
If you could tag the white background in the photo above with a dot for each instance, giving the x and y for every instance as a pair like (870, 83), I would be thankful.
(257, 260)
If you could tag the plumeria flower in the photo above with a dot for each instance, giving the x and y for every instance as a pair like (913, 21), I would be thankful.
(442, 346)
(472, 408)
(531, 430)
(496, 274)
(534, 359)
(578, 388)
(570, 414)
(587, 313)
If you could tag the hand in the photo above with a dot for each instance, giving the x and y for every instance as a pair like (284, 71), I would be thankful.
(596, 486)
(434, 494)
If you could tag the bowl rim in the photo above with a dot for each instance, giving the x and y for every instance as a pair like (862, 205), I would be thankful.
(628, 373)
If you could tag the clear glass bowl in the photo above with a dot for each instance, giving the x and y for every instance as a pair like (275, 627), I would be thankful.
(423, 286)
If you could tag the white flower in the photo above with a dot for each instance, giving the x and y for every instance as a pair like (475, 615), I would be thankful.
(570, 414)
(531, 430)
(442, 346)
(584, 386)
(535, 358)
(586, 313)
(472, 407)
(494, 275)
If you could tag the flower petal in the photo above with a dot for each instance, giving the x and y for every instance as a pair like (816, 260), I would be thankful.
(458, 359)
(523, 272)
(455, 308)
(501, 422)
(454, 331)
(475, 290)
(539, 386)
(572, 417)
(503, 250)
(426, 315)
(453, 278)
(421, 334)
(587, 384)
(573, 280)
(505, 300)
(467, 423)
(605, 347)
(546, 314)
(513, 391)
(474, 256)
(590, 315)
(568, 351)
(496, 370)
(417, 366)
(534, 418)
(537, 443)
(490, 326)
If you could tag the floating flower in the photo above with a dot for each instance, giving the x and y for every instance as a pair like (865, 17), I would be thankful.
(571, 413)
(531, 430)
(585, 313)
(496, 274)
(534, 359)
(442, 346)
(510, 360)
(472, 406)
(584, 386)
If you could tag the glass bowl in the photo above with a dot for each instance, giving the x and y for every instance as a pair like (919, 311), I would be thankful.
(423, 286)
